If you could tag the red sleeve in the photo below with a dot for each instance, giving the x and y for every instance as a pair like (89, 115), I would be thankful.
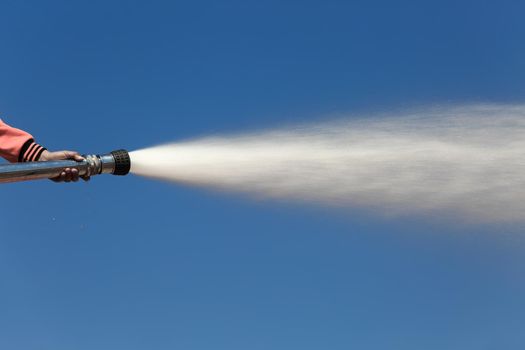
(17, 145)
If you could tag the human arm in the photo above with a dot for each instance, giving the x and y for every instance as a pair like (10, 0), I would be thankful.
(19, 146)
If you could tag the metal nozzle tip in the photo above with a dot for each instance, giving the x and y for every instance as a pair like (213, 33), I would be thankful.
(122, 162)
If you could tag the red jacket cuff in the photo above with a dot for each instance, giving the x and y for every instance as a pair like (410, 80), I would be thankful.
(30, 151)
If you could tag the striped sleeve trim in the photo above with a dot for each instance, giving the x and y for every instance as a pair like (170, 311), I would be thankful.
(24, 149)
(31, 151)
(39, 153)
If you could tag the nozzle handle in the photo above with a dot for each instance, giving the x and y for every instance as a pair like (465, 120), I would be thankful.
(116, 163)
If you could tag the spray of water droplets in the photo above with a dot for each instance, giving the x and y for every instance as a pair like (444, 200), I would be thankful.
(465, 160)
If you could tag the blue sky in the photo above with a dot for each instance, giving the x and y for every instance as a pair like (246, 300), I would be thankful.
(130, 263)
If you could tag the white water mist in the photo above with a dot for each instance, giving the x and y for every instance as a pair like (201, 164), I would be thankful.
(467, 160)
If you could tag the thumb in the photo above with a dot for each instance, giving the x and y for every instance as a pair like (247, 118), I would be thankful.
(73, 155)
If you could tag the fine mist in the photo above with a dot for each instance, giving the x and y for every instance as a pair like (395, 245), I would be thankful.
(466, 161)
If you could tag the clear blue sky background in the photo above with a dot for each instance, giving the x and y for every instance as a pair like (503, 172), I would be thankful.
(130, 263)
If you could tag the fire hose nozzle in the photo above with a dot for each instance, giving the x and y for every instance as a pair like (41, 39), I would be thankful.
(116, 162)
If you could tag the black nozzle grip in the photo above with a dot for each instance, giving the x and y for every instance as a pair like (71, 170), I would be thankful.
(122, 162)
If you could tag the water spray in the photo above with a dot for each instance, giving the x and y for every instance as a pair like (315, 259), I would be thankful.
(116, 163)
(464, 161)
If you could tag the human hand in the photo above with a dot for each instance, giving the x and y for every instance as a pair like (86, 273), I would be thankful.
(69, 174)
